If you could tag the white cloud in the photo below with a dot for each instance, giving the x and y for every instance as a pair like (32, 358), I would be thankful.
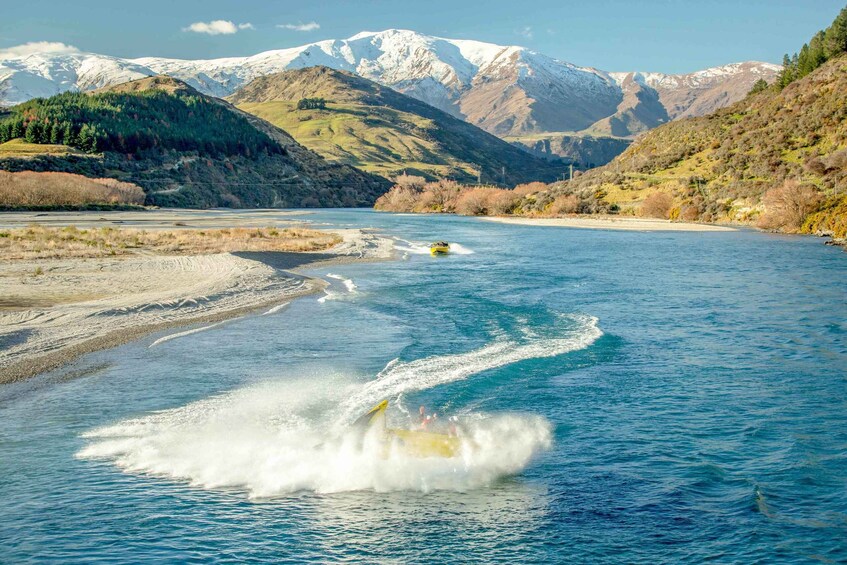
(37, 47)
(217, 27)
(311, 26)
(526, 32)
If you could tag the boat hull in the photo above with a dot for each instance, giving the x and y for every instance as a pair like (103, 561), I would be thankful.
(425, 444)
(413, 443)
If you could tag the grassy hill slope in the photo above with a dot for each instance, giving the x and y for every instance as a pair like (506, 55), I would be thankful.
(183, 148)
(720, 168)
(777, 158)
(382, 131)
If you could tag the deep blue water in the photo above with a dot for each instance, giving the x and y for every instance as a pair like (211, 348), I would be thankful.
(707, 422)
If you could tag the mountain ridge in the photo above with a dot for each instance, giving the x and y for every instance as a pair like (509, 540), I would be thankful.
(506, 90)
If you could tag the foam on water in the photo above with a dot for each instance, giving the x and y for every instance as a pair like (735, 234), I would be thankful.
(281, 437)
(459, 249)
(348, 283)
(275, 309)
(330, 294)
(398, 377)
(185, 333)
(412, 247)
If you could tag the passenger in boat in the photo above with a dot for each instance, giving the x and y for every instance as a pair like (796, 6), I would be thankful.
(424, 419)
(451, 429)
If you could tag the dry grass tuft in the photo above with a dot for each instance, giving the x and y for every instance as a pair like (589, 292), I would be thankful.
(33, 190)
(38, 242)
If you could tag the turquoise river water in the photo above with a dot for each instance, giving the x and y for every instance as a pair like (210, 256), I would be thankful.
(630, 397)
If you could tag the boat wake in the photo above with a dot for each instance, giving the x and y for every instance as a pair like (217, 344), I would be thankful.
(398, 378)
(422, 248)
(459, 249)
(276, 438)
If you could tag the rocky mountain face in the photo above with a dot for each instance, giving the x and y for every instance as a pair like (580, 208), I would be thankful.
(700, 93)
(584, 151)
(505, 90)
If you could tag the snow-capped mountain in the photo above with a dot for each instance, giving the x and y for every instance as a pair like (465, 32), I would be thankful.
(702, 92)
(36, 75)
(507, 90)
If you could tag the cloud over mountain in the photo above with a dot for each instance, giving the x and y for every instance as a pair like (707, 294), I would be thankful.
(217, 27)
(34, 47)
(311, 26)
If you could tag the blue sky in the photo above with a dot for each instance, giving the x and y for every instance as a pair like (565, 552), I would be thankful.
(649, 35)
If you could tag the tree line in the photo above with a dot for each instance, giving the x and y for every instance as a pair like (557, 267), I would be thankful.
(133, 122)
(825, 45)
(311, 104)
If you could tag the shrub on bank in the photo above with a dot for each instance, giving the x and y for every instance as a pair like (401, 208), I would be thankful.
(830, 220)
(788, 205)
(657, 205)
(413, 194)
(565, 204)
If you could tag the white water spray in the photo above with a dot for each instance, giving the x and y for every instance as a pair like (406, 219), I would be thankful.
(281, 437)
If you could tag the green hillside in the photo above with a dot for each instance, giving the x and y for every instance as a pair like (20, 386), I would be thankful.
(19, 147)
(382, 131)
(373, 138)
(183, 148)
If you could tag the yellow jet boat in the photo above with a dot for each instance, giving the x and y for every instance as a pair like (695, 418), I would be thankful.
(439, 248)
(415, 443)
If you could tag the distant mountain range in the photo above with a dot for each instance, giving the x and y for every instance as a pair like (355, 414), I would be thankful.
(382, 131)
(506, 90)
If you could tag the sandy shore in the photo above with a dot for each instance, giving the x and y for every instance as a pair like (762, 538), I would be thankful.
(165, 218)
(53, 311)
(612, 223)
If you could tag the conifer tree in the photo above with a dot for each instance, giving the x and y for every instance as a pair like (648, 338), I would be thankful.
(55, 133)
(817, 54)
(759, 86)
(787, 74)
(68, 137)
(804, 66)
(33, 132)
(835, 40)
(86, 138)
(18, 129)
